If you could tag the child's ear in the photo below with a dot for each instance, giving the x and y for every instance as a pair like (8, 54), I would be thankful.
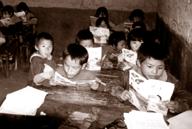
(36, 48)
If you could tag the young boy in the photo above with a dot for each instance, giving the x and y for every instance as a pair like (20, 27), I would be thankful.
(152, 60)
(75, 59)
(42, 64)
(85, 38)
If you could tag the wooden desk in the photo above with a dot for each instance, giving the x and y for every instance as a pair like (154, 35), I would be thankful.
(62, 101)
(105, 108)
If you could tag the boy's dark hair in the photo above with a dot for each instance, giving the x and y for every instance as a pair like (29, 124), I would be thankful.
(84, 34)
(8, 9)
(22, 6)
(100, 20)
(43, 35)
(135, 35)
(152, 50)
(76, 51)
(115, 37)
(103, 11)
(137, 13)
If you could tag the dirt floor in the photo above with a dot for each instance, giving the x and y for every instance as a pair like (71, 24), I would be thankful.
(16, 80)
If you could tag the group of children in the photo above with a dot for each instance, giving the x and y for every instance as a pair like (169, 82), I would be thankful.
(17, 28)
(151, 59)
(151, 62)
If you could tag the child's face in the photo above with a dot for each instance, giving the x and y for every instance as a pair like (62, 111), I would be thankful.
(152, 68)
(135, 45)
(71, 66)
(87, 43)
(6, 15)
(136, 19)
(102, 14)
(103, 24)
(45, 48)
(121, 44)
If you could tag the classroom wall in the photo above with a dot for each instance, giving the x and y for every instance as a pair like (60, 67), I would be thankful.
(176, 16)
(146, 5)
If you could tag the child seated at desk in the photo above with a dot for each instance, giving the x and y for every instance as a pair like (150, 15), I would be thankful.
(101, 12)
(75, 59)
(85, 38)
(42, 59)
(117, 41)
(152, 59)
(28, 23)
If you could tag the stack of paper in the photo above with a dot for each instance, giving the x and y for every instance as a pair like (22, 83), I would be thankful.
(25, 101)
(144, 120)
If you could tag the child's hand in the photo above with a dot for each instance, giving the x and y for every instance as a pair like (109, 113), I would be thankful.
(125, 65)
(173, 106)
(38, 79)
(48, 75)
(125, 95)
(94, 86)
(48, 72)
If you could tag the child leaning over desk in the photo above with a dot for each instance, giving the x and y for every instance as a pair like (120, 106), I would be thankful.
(75, 59)
(42, 65)
(152, 59)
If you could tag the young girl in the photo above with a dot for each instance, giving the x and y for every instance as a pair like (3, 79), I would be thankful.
(42, 64)
(103, 12)
(135, 42)
(117, 42)
(135, 39)
(103, 22)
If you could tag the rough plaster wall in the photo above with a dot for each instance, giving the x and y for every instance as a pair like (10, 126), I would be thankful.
(178, 15)
(146, 5)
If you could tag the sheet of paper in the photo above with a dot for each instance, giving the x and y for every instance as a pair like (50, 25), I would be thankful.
(159, 88)
(47, 68)
(129, 56)
(95, 55)
(100, 34)
(144, 120)
(135, 79)
(181, 121)
(25, 101)
(58, 78)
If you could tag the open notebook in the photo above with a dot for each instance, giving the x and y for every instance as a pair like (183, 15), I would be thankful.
(151, 94)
